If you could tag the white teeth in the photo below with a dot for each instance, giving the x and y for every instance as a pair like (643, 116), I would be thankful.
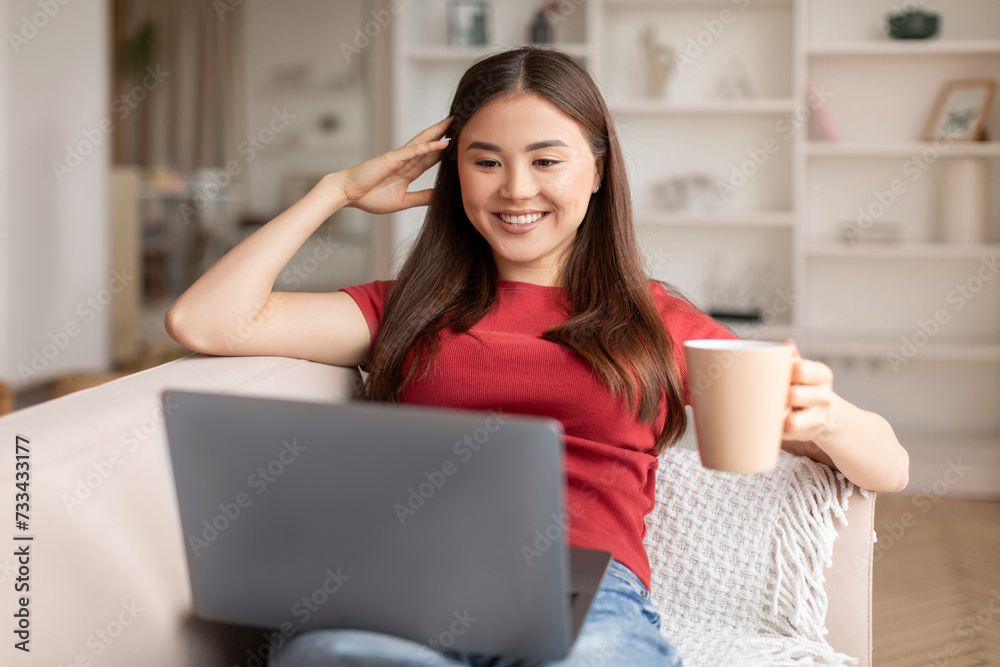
(520, 219)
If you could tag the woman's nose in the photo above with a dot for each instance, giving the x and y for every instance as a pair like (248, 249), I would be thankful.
(519, 184)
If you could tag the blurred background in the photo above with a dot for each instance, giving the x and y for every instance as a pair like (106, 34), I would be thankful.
(822, 171)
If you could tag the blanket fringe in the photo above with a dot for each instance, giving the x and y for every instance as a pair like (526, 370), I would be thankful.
(816, 496)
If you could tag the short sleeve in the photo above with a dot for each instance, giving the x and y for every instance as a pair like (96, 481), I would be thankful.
(684, 322)
(370, 297)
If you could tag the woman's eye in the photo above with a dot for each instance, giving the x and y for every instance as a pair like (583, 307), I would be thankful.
(492, 163)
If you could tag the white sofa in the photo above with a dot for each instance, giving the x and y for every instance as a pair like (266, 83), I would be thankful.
(108, 580)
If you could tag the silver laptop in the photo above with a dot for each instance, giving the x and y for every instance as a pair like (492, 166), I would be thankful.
(443, 526)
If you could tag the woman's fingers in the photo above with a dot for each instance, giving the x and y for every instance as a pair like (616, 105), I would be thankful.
(805, 422)
(406, 153)
(806, 395)
(807, 371)
(418, 198)
(434, 131)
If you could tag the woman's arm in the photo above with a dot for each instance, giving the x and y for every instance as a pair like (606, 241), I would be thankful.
(236, 291)
(238, 286)
(823, 426)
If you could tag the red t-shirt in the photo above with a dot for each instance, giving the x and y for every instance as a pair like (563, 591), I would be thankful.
(610, 467)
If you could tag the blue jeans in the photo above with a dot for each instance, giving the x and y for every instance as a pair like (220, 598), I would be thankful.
(622, 628)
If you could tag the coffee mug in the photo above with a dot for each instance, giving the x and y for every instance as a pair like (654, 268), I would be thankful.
(739, 392)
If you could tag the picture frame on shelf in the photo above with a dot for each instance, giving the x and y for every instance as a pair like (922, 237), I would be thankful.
(959, 110)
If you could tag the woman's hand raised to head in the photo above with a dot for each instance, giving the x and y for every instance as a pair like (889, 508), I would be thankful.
(379, 185)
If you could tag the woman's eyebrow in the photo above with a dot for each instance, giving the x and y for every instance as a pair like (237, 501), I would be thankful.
(530, 147)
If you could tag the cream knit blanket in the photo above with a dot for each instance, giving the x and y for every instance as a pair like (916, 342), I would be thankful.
(737, 560)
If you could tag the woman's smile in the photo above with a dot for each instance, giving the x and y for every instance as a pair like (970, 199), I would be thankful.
(520, 224)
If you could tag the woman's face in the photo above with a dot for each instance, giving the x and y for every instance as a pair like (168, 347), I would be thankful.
(520, 158)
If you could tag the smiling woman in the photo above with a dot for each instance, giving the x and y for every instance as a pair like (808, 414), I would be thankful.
(524, 293)
(531, 135)
(521, 186)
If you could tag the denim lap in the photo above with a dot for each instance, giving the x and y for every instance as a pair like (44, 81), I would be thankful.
(622, 627)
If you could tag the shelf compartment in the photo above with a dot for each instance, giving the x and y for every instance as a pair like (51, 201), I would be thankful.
(446, 54)
(759, 330)
(721, 107)
(907, 48)
(714, 268)
(836, 149)
(703, 49)
(673, 5)
(962, 251)
(723, 151)
(974, 352)
(951, 303)
(725, 218)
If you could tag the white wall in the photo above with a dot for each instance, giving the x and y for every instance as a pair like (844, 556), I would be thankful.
(55, 90)
(6, 270)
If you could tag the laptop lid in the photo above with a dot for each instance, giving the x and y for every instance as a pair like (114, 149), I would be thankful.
(442, 526)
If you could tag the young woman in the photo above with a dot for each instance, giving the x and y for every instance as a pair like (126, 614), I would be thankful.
(525, 293)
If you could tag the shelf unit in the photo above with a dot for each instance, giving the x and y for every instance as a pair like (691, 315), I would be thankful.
(851, 306)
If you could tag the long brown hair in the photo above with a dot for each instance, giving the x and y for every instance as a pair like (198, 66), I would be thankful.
(449, 279)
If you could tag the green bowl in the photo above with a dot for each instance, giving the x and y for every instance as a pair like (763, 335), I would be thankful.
(913, 25)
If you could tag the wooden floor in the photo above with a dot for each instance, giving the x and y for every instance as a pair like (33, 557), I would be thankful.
(936, 598)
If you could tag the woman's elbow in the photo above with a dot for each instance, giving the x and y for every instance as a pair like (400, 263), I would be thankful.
(180, 330)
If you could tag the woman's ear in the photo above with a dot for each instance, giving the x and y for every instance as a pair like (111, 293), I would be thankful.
(600, 172)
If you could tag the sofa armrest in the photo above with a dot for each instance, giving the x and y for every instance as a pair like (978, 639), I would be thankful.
(108, 574)
(849, 581)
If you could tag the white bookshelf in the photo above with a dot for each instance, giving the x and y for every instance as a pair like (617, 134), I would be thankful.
(851, 305)
(932, 47)
(943, 400)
